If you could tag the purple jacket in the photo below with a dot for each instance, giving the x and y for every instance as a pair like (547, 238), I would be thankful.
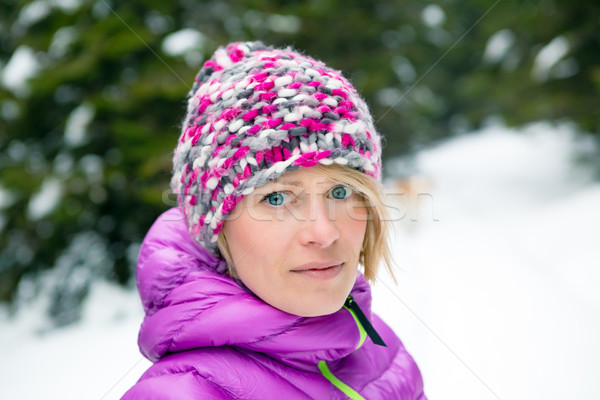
(211, 339)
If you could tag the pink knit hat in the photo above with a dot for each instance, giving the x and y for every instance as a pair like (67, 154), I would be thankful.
(255, 112)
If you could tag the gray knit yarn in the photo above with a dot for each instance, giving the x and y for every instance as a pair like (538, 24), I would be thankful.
(255, 112)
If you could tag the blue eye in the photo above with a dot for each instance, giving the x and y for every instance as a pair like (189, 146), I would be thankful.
(341, 192)
(275, 198)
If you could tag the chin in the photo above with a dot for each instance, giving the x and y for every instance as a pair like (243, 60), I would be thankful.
(321, 309)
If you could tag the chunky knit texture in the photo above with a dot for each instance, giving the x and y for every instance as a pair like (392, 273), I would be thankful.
(255, 112)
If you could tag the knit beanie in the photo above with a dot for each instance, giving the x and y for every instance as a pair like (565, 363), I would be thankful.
(255, 112)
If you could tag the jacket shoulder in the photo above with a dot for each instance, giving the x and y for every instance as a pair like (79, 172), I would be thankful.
(393, 372)
(187, 385)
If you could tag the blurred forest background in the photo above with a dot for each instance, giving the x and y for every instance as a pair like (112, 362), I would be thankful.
(92, 94)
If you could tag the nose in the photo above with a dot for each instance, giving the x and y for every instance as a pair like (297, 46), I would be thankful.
(319, 227)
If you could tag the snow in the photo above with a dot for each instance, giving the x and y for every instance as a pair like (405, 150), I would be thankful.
(404, 70)
(7, 198)
(62, 40)
(548, 56)
(77, 124)
(433, 16)
(187, 42)
(37, 10)
(96, 358)
(183, 41)
(496, 295)
(284, 23)
(45, 200)
(21, 67)
(68, 6)
(33, 12)
(498, 45)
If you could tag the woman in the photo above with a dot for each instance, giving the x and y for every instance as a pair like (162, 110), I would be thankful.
(251, 287)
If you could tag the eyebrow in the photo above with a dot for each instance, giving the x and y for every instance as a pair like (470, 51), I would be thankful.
(283, 181)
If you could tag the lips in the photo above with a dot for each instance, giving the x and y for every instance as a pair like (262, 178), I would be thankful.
(319, 271)
(318, 265)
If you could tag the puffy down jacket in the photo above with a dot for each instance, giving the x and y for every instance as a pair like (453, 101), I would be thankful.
(209, 338)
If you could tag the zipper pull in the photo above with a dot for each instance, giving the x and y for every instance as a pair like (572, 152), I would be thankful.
(362, 318)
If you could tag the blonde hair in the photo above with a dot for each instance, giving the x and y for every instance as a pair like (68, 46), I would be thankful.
(375, 248)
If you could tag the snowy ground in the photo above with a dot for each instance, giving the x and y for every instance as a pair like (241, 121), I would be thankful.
(496, 295)
(498, 298)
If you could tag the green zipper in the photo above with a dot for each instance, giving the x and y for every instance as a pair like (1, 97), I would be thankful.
(363, 332)
(366, 329)
(363, 321)
(347, 390)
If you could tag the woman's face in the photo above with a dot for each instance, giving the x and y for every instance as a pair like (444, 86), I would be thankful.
(295, 242)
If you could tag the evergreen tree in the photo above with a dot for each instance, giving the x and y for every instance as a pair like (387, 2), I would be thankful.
(86, 142)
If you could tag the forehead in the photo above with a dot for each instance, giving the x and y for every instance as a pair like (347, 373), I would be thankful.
(303, 176)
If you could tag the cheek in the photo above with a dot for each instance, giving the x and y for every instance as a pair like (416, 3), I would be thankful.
(253, 242)
(258, 249)
(353, 224)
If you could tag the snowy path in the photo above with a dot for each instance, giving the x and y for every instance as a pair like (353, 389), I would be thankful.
(498, 299)
(496, 295)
